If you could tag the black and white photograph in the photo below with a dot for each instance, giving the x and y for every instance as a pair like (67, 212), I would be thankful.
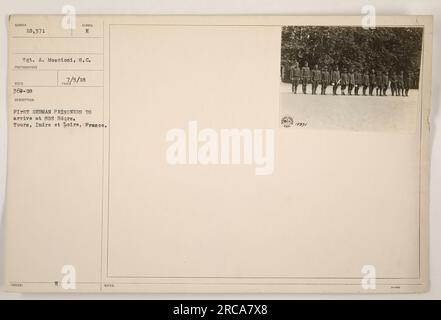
(350, 78)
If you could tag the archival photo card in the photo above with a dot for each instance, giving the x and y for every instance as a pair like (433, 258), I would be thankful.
(218, 154)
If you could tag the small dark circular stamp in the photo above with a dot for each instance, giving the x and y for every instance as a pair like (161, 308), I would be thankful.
(287, 121)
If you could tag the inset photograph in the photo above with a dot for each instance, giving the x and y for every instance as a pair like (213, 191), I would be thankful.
(350, 78)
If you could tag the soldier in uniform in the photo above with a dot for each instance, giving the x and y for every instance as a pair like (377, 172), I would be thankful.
(295, 75)
(394, 84)
(408, 82)
(306, 77)
(379, 90)
(385, 82)
(316, 77)
(366, 82)
(414, 84)
(372, 82)
(335, 80)
(358, 81)
(351, 75)
(326, 77)
(401, 83)
(344, 81)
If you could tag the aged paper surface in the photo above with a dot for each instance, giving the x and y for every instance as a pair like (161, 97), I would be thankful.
(330, 196)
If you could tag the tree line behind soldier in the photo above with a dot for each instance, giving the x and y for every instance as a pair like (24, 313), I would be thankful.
(352, 80)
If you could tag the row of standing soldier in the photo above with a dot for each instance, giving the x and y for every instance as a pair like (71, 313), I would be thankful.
(352, 80)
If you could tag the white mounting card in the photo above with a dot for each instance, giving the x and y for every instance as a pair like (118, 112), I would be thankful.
(218, 154)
